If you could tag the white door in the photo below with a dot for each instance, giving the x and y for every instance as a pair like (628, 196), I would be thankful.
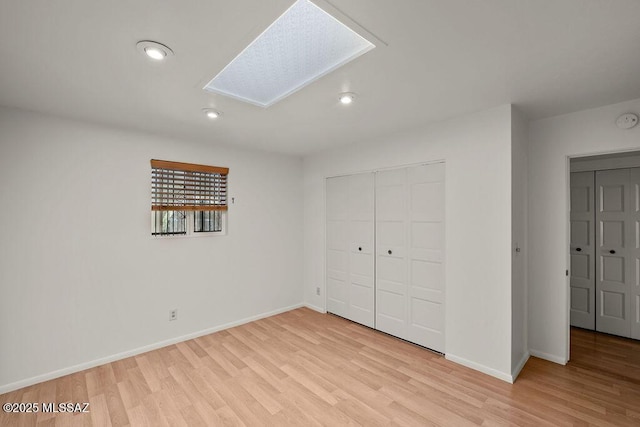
(410, 254)
(613, 239)
(361, 249)
(582, 279)
(634, 251)
(338, 246)
(391, 248)
(426, 256)
(350, 247)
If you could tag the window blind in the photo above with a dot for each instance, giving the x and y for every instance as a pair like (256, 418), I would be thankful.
(177, 186)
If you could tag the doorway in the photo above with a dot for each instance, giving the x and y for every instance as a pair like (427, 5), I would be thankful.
(604, 276)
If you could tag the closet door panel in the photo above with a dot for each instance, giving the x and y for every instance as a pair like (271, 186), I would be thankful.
(582, 250)
(634, 251)
(391, 248)
(350, 247)
(361, 288)
(425, 325)
(612, 240)
(361, 239)
(410, 254)
(337, 246)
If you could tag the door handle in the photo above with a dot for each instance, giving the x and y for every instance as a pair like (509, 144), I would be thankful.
(612, 251)
(578, 249)
(389, 252)
(360, 248)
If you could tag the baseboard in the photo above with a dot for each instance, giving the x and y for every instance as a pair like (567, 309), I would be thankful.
(315, 308)
(550, 357)
(481, 368)
(108, 359)
(516, 371)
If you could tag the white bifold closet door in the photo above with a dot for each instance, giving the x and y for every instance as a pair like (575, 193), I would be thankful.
(634, 251)
(583, 271)
(401, 290)
(350, 247)
(410, 254)
(618, 252)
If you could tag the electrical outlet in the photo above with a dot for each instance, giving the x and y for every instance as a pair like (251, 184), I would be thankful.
(173, 314)
(318, 290)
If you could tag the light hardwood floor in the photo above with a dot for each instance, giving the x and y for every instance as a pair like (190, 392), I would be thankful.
(303, 368)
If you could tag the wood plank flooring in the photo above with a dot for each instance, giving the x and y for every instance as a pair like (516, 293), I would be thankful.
(303, 368)
(615, 356)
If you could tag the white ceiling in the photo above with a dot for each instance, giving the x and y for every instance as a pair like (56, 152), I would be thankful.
(78, 58)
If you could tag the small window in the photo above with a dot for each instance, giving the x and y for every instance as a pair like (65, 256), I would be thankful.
(187, 198)
(167, 223)
(207, 221)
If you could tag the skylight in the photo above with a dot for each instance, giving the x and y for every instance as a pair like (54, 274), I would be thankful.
(302, 45)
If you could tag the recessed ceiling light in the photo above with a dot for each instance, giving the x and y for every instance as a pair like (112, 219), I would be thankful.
(302, 45)
(154, 53)
(347, 98)
(211, 113)
(154, 50)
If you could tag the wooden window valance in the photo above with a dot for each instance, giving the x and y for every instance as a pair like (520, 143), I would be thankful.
(177, 186)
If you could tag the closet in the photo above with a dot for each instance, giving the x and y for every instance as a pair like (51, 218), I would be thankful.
(385, 251)
(605, 251)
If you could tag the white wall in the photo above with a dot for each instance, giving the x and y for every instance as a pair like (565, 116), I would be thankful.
(519, 147)
(477, 151)
(81, 280)
(551, 141)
